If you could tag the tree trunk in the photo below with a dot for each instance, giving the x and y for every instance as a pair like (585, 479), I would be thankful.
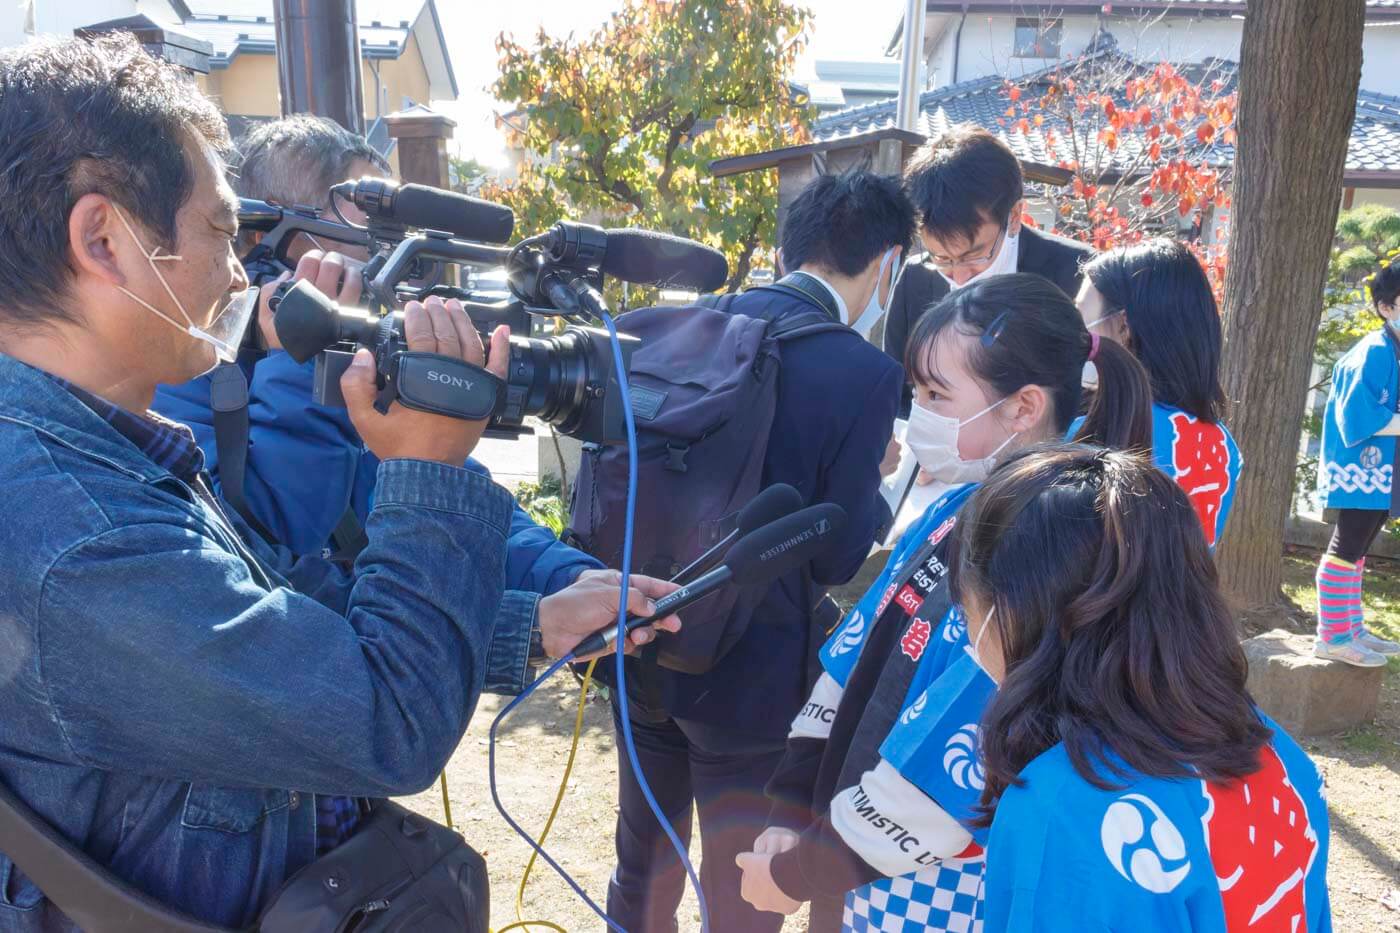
(1300, 64)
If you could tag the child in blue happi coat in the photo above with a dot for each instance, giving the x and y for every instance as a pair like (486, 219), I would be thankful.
(874, 803)
(1356, 476)
(1154, 298)
(1129, 781)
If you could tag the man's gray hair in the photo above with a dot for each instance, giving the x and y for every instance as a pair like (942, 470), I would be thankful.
(296, 159)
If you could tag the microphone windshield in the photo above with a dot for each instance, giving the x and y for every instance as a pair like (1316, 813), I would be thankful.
(645, 257)
(462, 216)
(784, 545)
(768, 506)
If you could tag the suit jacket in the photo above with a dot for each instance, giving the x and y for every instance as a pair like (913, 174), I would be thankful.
(921, 287)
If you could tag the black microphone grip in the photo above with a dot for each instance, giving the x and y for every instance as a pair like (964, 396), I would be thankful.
(665, 606)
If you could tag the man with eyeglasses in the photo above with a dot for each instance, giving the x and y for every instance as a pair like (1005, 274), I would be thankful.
(967, 188)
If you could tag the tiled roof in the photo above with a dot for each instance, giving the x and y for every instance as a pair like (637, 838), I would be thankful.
(1375, 136)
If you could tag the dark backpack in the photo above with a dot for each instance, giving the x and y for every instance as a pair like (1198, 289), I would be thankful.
(704, 391)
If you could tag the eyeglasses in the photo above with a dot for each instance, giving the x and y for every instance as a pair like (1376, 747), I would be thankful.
(972, 262)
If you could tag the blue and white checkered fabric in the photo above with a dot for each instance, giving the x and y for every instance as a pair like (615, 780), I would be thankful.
(943, 898)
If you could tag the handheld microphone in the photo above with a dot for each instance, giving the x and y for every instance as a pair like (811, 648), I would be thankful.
(768, 506)
(759, 557)
(431, 209)
(642, 257)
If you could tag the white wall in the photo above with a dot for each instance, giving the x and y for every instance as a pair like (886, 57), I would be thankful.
(61, 17)
(1386, 197)
(988, 41)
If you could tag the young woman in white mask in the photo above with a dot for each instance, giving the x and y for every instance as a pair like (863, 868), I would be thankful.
(874, 816)
(1155, 300)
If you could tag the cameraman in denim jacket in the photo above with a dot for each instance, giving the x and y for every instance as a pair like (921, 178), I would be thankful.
(180, 699)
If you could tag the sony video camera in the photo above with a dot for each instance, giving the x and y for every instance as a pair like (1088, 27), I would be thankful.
(567, 379)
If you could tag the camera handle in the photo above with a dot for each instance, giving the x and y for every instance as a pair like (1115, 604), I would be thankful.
(441, 385)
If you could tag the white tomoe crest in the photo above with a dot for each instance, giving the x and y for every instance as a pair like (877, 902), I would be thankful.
(851, 635)
(961, 762)
(915, 709)
(1143, 845)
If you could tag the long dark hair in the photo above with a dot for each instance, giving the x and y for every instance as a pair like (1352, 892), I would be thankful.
(1116, 639)
(1173, 319)
(1029, 333)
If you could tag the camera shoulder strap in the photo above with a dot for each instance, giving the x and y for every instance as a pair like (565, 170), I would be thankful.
(228, 398)
(89, 894)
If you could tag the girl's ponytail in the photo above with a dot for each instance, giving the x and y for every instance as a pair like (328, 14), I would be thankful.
(1120, 411)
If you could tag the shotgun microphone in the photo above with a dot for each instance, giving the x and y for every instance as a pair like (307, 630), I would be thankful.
(768, 506)
(759, 557)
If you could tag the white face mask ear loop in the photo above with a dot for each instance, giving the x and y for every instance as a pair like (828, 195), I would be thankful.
(895, 276)
(152, 258)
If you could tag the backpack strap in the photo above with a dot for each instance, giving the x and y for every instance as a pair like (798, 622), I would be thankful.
(717, 302)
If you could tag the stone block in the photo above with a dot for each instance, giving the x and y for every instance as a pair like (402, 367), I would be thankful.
(1304, 694)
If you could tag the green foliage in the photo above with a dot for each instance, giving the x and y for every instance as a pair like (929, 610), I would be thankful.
(468, 175)
(1367, 238)
(620, 126)
(544, 502)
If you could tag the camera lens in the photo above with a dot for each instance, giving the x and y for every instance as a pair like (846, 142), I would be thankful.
(548, 378)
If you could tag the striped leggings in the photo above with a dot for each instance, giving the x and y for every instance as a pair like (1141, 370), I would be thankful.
(1339, 614)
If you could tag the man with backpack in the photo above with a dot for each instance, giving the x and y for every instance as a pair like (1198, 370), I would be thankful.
(771, 386)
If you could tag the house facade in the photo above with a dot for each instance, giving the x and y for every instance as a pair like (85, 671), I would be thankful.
(404, 61)
(1011, 38)
(978, 42)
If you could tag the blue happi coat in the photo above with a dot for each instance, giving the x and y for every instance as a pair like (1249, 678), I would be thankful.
(1202, 457)
(1161, 856)
(1357, 465)
(933, 745)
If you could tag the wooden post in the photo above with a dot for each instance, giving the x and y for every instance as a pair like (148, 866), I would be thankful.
(422, 135)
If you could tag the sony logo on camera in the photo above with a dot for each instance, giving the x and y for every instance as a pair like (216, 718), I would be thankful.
(450, 380)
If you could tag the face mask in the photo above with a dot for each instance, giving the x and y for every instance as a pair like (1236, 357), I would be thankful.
(224, 332)
(1107, 317)
(934, 440)
(1003, 263)
(977, 643)
(875, 310)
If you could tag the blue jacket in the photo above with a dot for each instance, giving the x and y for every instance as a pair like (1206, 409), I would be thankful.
(837, 397)
(1161, 856)
(175, 691)
(1357, 466)
(306, 465)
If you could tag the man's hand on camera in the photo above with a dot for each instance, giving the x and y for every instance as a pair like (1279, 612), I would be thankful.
(574, 613)
(333, 275)
(433, 326)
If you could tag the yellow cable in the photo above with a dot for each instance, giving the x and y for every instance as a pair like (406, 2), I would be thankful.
(519, 923)
(446, 804)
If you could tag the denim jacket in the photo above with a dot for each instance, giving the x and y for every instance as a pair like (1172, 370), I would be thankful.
(175, 691)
